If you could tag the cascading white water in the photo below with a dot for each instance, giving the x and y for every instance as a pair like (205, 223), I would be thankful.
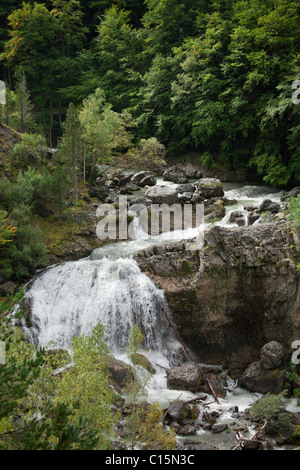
(71, 299)
(108, 287)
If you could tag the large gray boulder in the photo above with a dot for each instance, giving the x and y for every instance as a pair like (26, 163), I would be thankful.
(162, 195)
(210, 187)
(175, 174)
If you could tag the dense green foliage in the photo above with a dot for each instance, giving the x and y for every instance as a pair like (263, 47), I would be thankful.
(212, 76)
(41, 410)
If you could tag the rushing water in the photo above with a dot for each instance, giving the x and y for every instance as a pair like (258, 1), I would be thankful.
(70, 299)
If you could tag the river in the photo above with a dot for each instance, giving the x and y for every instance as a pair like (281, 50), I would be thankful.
(108, 287)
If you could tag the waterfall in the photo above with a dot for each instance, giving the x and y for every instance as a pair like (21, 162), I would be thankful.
(71, 299)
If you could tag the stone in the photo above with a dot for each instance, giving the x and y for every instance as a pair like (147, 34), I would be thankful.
(162, 195)
(175, 174)
(260, 380)
(218, 428)
(272, 355)
(138, 177)
(187, 430)
(240, 221)
(293, 193)
(140, 200)
(185, 197)
(9, 288)
(184, 377)
(214, 211)
(185, 188)
(269, 206)
(234, 215)
(118, 371)
(125, 179)
(149, 180)
(195, 445)
(253, 216)
(178, 410)
(240, 292)
(141, 360)
(210, 187)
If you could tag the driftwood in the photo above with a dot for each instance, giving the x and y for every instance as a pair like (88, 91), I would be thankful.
(255, 442)
(189, 354)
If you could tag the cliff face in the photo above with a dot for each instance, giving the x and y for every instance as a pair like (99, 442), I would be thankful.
(240, 291)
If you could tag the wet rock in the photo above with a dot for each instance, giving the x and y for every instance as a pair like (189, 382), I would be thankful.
(253, 216)
(234, 215)
(218, 428)
(260, 380)
(214, 211)
(240, 291)
(178, 411)
(125, 179)
(162, 195)
(141, 360)
(185, 197)
(149, 180)
(269, 206)
(137, 178)
(293, 193)
(185, 188)
(187, 430)
(210, 187)
(185, 377)
(118, 371)
(176, 175)
(272, 355)
(141, 200)
(194, 445)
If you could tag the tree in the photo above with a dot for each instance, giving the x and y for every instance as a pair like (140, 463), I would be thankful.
(52, 429)
(23, 104)
(149, 153)
(104, 130)
(71, 145)
(7, 229)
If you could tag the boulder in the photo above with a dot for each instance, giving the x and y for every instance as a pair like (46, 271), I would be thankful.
(214, 211)
(253, 216)
(9, 288)
(176, 175)
(272, 355)
(269, 206)
(141, 200)
(210, 187)
(185, 188)
(185, 197)
(293, 193)
(118, 371)
(185, 377)
(188, 430)
(141, 360)
(162, 195)
(260, 380)
(149, 180)
(178, 411)
(138, 177)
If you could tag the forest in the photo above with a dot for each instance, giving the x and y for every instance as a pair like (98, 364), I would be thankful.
(123, 84)
(215, 76)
